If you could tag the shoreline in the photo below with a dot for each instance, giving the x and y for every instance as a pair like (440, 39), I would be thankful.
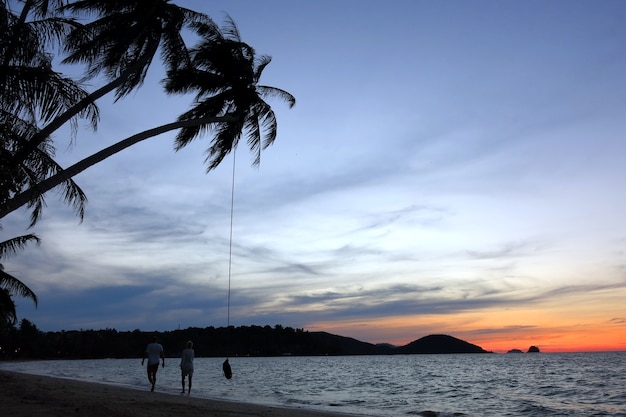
(30, 395)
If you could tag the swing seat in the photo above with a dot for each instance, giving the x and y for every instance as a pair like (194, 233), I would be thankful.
(228, 373)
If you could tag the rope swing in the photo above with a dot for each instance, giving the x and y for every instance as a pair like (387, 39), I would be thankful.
(228, 373)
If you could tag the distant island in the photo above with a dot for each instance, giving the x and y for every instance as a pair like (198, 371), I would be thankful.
(440, 343)
(532, 349)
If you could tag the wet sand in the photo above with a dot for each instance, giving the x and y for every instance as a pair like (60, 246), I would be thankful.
(24, 395)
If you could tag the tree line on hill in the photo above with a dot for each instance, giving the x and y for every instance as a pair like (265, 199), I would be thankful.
(28, 342)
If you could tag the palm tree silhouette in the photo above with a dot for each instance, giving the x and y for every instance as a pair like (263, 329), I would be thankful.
(9, 285)
(120, 45)
(31, 91)
(30, 88)
(38, 166)
(224, 73)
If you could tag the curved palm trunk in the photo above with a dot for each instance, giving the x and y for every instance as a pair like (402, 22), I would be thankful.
(60, 120)
(64, 175)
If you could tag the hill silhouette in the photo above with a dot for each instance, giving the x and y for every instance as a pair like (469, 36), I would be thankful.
(340, 345)
(440, 343)
(432, 344)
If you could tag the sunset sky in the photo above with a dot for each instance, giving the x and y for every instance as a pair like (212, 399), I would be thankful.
(449, 167)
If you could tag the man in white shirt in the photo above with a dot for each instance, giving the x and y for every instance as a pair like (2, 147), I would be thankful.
(154, 352)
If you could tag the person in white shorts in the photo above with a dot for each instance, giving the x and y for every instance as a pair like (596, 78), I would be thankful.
(186, 365)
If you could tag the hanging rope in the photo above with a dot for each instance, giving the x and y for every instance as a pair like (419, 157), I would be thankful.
(228, 373)
(230, 240)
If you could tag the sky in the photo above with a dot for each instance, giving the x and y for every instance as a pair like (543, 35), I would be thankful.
(449, 167)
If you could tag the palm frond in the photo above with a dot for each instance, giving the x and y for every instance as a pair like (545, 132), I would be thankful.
(8, 314)
(224, 141)
(72, 194)
(53, 30)
(186, 80)
(253, 134)
(37, 166)
(269, 124)
(14, 245)
(42, 94)
(146, 25)
(260, 64)
(229, 29)
(16, 287)
(274, 92)
(218, 106)
(47, 8)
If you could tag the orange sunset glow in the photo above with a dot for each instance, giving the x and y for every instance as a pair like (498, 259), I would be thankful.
(564, 327)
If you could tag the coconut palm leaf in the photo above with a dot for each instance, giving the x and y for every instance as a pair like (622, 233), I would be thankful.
(16, 287)
(14, 245)
(31, 92)
(10, 285)
(125, 37)
(28, 85)
(8, 314)
(31, 171)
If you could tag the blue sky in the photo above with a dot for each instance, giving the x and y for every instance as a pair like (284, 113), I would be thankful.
(449, 167)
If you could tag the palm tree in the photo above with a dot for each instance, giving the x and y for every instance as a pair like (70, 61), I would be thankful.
(121, 44)
(34, 169)
(30, 88)
(11, 286)
(224, 74)
(30, 91)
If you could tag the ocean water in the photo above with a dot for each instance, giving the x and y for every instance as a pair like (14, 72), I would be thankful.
(544, 384)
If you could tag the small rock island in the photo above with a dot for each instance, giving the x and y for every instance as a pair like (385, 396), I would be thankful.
(532, 349)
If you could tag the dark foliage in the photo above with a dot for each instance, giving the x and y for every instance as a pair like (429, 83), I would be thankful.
(28, 342)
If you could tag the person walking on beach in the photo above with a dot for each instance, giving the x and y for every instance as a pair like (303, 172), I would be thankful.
(186, 365)
(154, 352)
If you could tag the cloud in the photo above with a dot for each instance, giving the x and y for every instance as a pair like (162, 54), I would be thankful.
(507, 251)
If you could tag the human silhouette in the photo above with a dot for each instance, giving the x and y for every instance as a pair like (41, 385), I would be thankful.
(154, 352)
(228, 373)
(186, 365)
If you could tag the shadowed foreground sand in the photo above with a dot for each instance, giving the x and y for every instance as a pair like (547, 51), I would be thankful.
(23, 395)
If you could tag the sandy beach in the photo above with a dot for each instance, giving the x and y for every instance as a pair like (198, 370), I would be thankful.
(24, 395)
